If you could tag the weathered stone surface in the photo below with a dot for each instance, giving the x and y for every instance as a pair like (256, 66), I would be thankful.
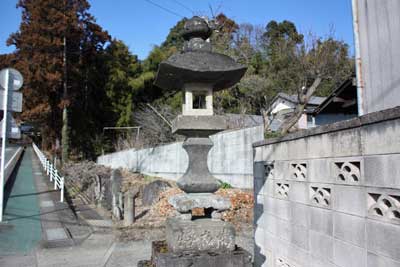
(186, 202)
(197, 63)
(163, 258)
(198, 125)
(238, 258)
(197, 178)
(152, 191)
(198, 66)
(116, 180)
(129, 208)
(196, 27)
(200, 235)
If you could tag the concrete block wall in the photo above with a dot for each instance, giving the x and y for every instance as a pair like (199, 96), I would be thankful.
(330, 196)
(230, 159)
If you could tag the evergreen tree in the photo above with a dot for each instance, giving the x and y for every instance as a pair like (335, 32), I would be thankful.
(57, 39)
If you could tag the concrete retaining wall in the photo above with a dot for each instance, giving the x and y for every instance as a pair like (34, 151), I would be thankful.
(230, 159)
(330, 196)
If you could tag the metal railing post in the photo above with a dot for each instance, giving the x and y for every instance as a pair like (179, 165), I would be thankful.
(51, 171)
(47, 167)
(62, 189)
(55, 179)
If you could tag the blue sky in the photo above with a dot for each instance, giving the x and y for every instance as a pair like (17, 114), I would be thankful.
(141, 25)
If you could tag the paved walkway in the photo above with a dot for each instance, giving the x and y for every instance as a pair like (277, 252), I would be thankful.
(41, 231)
(21, 230)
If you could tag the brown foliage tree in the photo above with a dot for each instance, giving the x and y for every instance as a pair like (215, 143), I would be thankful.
(56, 45)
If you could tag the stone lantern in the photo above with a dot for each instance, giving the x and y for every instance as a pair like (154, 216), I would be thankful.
(199, 72)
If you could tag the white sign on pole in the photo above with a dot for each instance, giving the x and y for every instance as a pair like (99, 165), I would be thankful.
(16, 79)
(14, 100)
(10, 80)
(13, 130)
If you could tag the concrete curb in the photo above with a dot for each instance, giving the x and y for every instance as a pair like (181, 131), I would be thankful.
(12, 162)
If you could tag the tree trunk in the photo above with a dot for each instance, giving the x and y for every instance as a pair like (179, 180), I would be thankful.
(289, 123)
(304, 97)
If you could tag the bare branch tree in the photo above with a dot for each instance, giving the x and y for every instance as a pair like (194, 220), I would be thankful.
(155, 126)
(317, 59)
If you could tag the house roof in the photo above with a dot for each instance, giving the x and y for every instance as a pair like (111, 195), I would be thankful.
(342, 100)
(314, 101)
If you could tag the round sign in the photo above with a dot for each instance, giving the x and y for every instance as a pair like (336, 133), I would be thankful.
(15, 78)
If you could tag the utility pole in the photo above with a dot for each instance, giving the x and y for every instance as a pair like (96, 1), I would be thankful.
(65, 130)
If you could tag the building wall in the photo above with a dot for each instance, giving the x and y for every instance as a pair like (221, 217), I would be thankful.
(330, 196)
(322, 119)
(379, 36)
(230, 159)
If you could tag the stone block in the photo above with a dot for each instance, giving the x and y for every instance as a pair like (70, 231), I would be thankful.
(187, 202)
(319, 146)
(281, 209)
(321, 246)
(321, 220)
(319, 171)
(350, 199)
(281, 170)
(299, 214)
(374, 260)
(270, 241)
(349, 255)
(151, 191)
(314, 262)
(349, 228)
(199, 235)
(381, 138)
(278, 151)
(270, 224)
(298, 192)
(297, 149)
(190, 124)
(299, 236)
(345, 143)
(268, 188)
(383, 239)
(239, 257)
(283, 228)
(382, 170)
(289, 253)
(269, 204)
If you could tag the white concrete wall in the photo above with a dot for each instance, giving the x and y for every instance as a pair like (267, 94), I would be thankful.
(230, 159)
(330, 196)
(379, 35)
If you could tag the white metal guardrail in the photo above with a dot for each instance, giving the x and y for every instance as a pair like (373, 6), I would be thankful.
(51, 171)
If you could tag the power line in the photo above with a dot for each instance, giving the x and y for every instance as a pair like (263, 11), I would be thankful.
(184, 6)
(165, 9)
